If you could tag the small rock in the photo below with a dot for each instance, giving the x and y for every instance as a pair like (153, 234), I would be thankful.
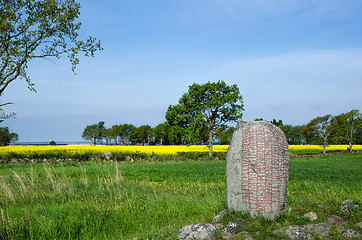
(334, 220)
(348, 205)
(219, 225)
(200, 231)
(14, 160)
(218, 216)
(321, 205)
(304, 231)
(321, 229)
(349, 233)
(107, 155)
(230, 230)
(340, 229)
(311, 215)
(297, 234)
(244, 235)
(359, 224)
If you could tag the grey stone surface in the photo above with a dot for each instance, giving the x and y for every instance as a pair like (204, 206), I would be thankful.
(334, 219)
(233, 227)
(298, 234)
(241, 235)
(200, 231)
(311, 215)
(359, 224)
(349, 233)
(107, 156)
(219, 216)
(257, 169)
(305, 231)
(348, 205)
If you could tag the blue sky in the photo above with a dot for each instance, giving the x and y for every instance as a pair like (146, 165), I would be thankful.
(292, 60)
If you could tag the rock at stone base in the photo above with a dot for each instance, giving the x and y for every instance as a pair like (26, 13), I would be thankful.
(230, 230)
(241, 235)
(218, 225)
(311, 215)
(359, 224)
(219, 216)
(340, 229)
(304, 231)
(348, 205)
(244, 235)
(298, 234)
(334, 220)
(349, 233)
(200, 231)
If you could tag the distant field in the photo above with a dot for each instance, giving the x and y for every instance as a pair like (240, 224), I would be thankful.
(86, 152)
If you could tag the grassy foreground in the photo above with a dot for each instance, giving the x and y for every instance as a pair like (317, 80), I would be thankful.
(110, 200)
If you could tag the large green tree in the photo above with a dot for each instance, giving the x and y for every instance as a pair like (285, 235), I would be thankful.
(224, 135)
(347, 128)
(126, 133)
(293, 134)
(142, 134)
(33, 29)
(212, 104)
(161, 133)
(91, 133)
(6, 137)
(318, 130)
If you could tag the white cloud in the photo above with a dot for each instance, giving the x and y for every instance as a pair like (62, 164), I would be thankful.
(297, 87)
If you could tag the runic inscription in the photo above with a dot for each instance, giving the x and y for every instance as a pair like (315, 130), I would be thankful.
(257, 167)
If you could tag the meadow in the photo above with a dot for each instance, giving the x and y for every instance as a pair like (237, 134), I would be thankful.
(153, 200)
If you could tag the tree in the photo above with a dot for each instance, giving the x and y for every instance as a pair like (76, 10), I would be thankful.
(126, 132)
(318, 130)
(108, 135)
(225, 136)
(142, 134)
(101, 131)
(91, 133)
(293, 134)
(161, 133)
(6, 137)
(14, 138)
(347, 127)
(210, 104)
(115, 133)
(33, 29)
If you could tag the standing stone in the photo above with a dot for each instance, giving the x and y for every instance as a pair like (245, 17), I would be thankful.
(257, 169)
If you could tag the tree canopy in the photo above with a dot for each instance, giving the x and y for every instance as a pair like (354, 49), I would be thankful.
(318, 130)
(208, 107)
(31, 29)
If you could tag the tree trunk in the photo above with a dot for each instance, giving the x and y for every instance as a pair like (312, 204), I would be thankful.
(210, 143)
(350, 146)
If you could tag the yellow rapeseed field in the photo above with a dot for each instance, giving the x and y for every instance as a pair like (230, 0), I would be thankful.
(158, 150)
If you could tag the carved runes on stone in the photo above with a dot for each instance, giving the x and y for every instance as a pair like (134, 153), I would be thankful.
(257, 169)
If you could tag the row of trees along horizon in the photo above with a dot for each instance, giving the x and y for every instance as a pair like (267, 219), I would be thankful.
(201, 117)
(319, 131)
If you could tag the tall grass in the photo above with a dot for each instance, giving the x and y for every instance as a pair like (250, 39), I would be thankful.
(111, 200)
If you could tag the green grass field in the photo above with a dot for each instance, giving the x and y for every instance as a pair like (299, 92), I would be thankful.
(109, 200)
